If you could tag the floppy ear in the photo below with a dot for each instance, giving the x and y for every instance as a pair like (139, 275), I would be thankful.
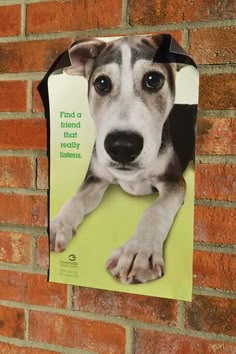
(82, 55)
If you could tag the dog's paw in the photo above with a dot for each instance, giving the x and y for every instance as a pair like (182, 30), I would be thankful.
(136, 262)
(60, 234)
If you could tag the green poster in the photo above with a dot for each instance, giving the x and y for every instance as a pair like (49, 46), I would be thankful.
(122, 135)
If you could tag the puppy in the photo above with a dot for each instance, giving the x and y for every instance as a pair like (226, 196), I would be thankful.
(141, 145)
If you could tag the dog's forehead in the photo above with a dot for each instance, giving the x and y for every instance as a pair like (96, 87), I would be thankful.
(140, 48)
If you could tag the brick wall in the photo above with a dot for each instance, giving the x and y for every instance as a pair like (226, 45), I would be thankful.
(41, 317)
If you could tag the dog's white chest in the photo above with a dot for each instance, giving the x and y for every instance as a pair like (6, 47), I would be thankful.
(136, 188)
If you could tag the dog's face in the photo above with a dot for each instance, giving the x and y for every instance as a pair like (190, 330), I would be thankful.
(130, 98)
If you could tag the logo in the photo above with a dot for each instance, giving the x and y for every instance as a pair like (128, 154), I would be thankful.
(72, 257)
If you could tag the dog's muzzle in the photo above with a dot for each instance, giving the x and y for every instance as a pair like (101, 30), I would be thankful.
(123, 146)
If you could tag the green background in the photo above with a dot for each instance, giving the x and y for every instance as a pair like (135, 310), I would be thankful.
(116, 218)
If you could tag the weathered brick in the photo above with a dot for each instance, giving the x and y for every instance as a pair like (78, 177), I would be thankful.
(214, 225)
(211, 314)
(42, 173)
(13, 94)
(217, 91)
(37, 101)
(12, 25)
(73, 15)
(77, 333)
(31, 289)
(12, 322)
(157, 310)
(172, 11)
(15, 247)
(40, 55)
(216, 136)
(207, 266)
(16, 172)
(23, 134)
(215, 181)
(42, 251)
(8, 348)
(213, 45)
(19, 209)
(153, 342)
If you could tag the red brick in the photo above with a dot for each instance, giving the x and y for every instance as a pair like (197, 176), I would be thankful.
(153, 342)
(216, 136)
(217, 91)
(214, 225)
(208, 265)
(23, 134)
(42, 252)
(37, 101)
(73, 15)
(19, 209)
(31, 289)
(172, 11)
(161, 311)
(213, 45)
(42, 173)
(12, 26)
(212, 314)
(8, 348)
(31, 56)
(215, 182)
(15, 248)
(16, 172)
(77, 333)
(12, 322)
(13, 94)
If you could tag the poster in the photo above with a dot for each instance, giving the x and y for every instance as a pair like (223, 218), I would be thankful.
(122, 137)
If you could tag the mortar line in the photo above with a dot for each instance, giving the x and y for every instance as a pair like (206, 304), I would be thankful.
(30, 96)
(23, 191)
(125, 13)
(27, 329)
(42, 345)
(217, 114)
(215, 203)
(31, 75)
(29, 153)
(130, 340)
(214, 292)
(10, 2)
(23, 18)
(24, 229)
(21, 115)
(213, 69)
(186, 40)
(33, 253)
(69, 297)
(29, 269)
(215, 248)
(216, 159)
(181, 314)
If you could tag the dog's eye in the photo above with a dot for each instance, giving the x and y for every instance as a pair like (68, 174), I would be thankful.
(153, 81)
(103, 85)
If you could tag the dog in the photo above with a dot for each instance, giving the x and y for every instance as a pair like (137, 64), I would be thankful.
(143, 143)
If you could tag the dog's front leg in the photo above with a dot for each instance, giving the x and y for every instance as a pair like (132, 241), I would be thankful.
(141, 258)
(64, 225)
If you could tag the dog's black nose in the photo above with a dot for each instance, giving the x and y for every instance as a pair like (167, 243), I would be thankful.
(123, 146)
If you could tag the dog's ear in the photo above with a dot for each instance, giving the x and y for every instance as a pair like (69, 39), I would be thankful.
(169, 51)
(82, 55)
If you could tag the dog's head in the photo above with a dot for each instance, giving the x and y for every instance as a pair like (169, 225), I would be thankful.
(130, 97)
